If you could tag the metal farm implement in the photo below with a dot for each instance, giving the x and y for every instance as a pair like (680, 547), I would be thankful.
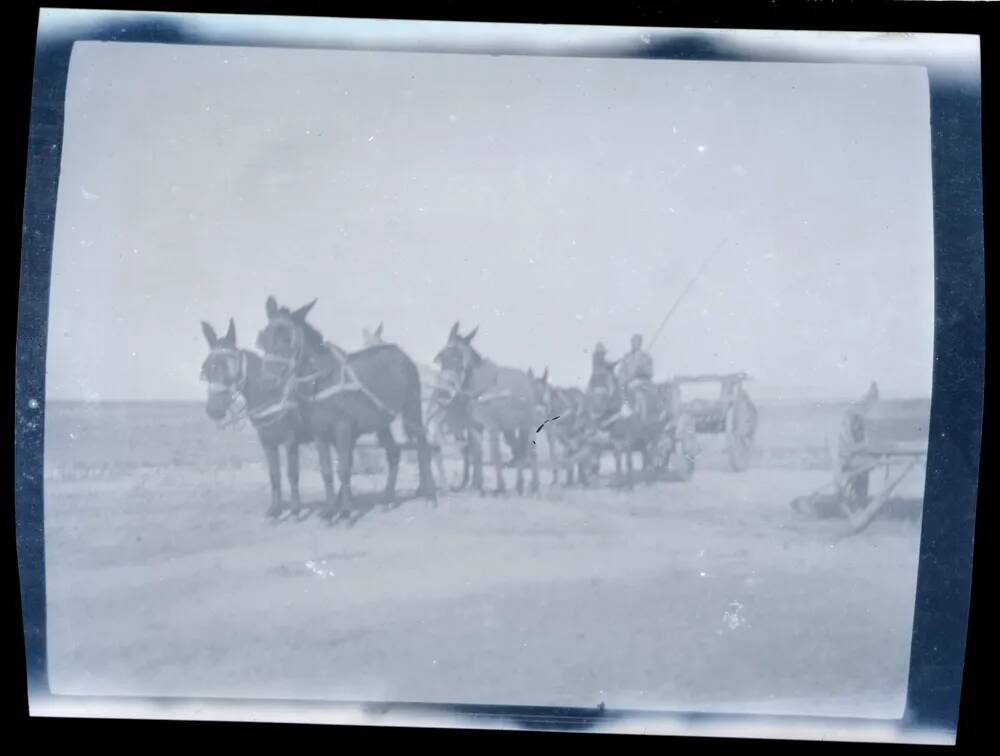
(887, 436)
(732, 414)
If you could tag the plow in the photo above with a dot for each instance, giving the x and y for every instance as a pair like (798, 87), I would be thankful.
(882, 444)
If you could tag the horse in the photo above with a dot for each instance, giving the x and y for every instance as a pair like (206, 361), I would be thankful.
(236, 389)
(624, 420)
(347, 396)
(439, 421)
(563, 408)
(497, 401)
(448, 415)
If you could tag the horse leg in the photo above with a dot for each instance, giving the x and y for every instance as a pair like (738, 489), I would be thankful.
(476, 454)
(392, 455)
(514, 443)
(466, 464)
(554, 456)
(326, 468)
(344, 439)
(497, 460)
(437, 454)
(292, 453)
(647, 472)
(533, 458)
(583, 472)
(629, 468)
(434, 435)
(618, 464)
(521, 438)
(274, 469)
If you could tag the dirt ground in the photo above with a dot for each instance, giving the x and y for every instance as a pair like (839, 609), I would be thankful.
(165, 579)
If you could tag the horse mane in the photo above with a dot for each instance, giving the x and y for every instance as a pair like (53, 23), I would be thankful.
(312, 336)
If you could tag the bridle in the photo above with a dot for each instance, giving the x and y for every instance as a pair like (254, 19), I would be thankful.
(289, 365)
(236, 410)
(454, 380)
(450, 383)
(455, 386)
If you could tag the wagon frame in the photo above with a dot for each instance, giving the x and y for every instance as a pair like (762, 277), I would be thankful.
(733, 414)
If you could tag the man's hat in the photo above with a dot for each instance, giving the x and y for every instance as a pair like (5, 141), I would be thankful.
(600, 347)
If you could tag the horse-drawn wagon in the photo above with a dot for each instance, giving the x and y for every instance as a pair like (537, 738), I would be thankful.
(877, 435)
(731, 413)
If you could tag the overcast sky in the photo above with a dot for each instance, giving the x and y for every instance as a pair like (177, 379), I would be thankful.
(551, 201)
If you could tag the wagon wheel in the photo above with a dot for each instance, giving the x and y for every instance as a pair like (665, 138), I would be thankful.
(741, 425)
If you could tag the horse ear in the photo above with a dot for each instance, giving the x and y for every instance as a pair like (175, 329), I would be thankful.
(300, 314)
(545, 375)
(378, 331)
(230, 337)
(531, 374)
(271, 308)
(209, 332)
(454, 331)
(471, 335)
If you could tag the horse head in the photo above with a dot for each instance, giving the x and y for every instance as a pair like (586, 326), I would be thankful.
(458, 357)
(224, 370)
(544, 392)
(287, 339)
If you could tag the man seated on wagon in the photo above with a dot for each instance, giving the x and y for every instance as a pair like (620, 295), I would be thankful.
(635, 372)
(601, 365)
(637, 366)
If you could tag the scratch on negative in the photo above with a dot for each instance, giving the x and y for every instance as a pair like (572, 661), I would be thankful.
(539, 428)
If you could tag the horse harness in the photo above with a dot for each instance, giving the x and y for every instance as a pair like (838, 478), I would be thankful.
(347, 383)
(238, 405)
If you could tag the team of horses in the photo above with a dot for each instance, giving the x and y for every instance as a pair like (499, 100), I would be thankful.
(301, 389)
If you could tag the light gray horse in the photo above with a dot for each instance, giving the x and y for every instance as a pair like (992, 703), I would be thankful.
(498, 401)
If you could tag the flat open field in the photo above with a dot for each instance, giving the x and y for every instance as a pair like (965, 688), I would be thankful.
(165, 579)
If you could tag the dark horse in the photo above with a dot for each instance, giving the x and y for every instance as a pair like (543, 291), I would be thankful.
(623, 419)
(442, 418)
(563, 408)
(497, 401)
(345, 396)
(237, 388)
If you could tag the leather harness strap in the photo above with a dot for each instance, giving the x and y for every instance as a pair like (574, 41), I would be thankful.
(349, 382)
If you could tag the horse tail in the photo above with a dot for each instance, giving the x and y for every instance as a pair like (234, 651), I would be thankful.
(413, 426)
